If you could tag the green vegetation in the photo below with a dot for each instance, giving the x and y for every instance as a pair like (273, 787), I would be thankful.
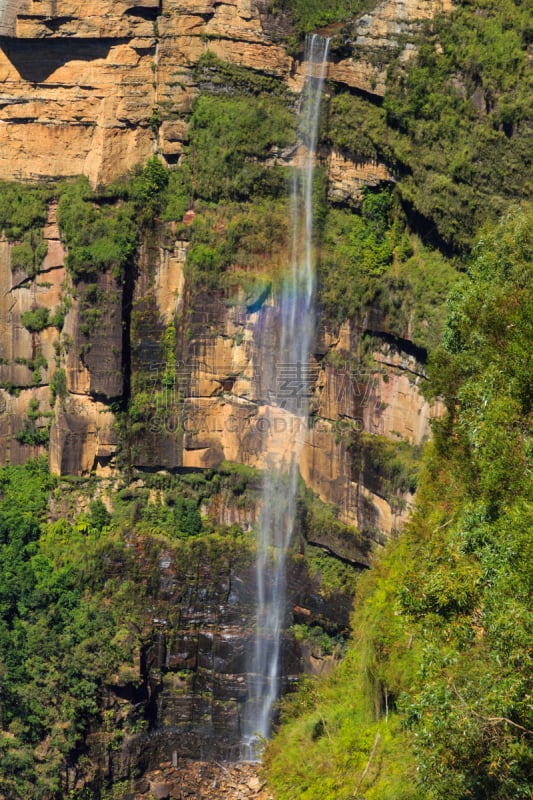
(179, 497)
(23, 213)
(101, 229)
(37, 320)
(355, 126)
(23, 210)
(390, 468)
(455, 125)
(176, 517)
(440, 666)
(308, 15)
(326, 738)
(320, 642)
(229, 138)
(29, 254)
(59, 635)
(179, 194)
(333, 575)
(99, 236)
(322, 526)
(247, 237)
(461, 117)
(370, 259)
(74, 596)
(58, 384)
(33, 433)
(146, 189)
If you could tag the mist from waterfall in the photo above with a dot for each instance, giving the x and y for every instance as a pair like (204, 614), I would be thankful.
(296, 329)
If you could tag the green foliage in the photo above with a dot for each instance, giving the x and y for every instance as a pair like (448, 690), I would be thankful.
(37, 320)
(318, 639)
(177, 517)
(389, 467)
(334, 576)
(58, 384)
(229, 137)
(29, 254)
(455, 125)
(243, 235)
(202, 259)
(242, 119)
(442, 656)
(487, 359)
(459, 118)
(147, 191)
(99, 516)
(309, 15)
(36, 365)
(98, 235)
(155, 120)
(328, 740)
(62, 617)
(369, 259)
(33, 433)
(356, 126)
(93, 302)
(179, 194)
(23, 210)
(368, 237)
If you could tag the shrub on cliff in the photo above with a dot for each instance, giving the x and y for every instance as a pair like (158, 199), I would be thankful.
(459, 118)
(98, 235)
(309, 15)
(22, 209)
(368, 258)
(37, 320)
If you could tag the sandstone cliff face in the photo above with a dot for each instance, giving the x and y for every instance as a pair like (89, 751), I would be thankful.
(80, 81)
(77, 90)
(216, 404)
(346, 179)
(79, 87)
(390, 26)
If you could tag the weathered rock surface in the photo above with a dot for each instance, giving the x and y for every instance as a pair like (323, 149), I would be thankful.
(204, 781)
(79, 85)
(389, 27)
(75, 106)
(216, 405)
(182, 693)
(80, 81)
(347, 179)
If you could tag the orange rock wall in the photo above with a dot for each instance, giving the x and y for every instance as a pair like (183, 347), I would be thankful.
(79, 85)
(80, 81)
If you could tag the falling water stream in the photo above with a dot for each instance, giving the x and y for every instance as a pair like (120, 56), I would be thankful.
(296, 327)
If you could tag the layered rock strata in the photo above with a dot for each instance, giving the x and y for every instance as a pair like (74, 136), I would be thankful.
(215, 405)
(81, 86)
(81, 81)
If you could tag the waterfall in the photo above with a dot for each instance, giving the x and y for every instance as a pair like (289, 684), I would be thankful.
(278, 507)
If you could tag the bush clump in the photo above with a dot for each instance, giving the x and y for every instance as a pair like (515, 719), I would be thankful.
(37, 320)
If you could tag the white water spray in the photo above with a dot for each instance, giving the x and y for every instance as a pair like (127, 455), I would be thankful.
(296, 325)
